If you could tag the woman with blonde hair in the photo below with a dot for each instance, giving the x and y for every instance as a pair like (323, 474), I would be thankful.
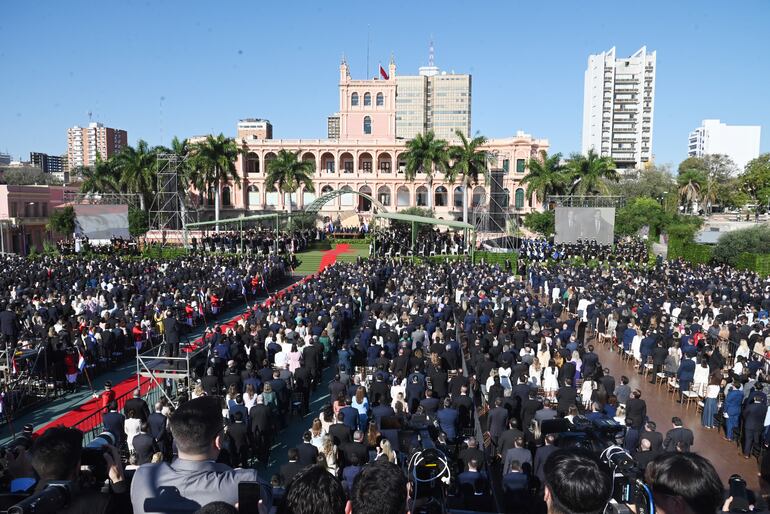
(620, 415)
(329, 451)
(385, 452)
(316, 433)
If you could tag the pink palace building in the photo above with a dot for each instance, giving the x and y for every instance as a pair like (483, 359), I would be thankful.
(366, 154)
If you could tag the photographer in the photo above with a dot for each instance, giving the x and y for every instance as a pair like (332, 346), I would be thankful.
(56, 458)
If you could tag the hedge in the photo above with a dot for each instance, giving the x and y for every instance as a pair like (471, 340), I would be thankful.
(690, 252)
(496, 258)
(759, 263)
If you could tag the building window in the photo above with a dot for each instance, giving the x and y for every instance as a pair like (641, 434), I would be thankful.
(521, 164)
(367, 99)
(253, 195)
(366, 166)
(354, 99)
(506, 165)
(422, 196)
(519, 199)
(383, 195)
(402, 197)
(367, 125)
(347, 166)
(457, 197)
(440, 198)
(380, 100)
(385, 166)
(226, 200)
(252, 163)
(506, 201)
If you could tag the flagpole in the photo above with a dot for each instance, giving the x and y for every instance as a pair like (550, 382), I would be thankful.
(85, 372)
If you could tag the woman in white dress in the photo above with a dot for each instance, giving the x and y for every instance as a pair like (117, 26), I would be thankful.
(586, 390)
(551, 379)
(535, 373)
(701, 377)
(131, 427)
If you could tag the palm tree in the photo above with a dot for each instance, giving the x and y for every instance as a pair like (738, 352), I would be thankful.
(690, 185)
(545, 176)
(287, 172)
(137, 168)
(469, 161)
(214, 160)
(590, 172)
(426, 154)
(99, 178)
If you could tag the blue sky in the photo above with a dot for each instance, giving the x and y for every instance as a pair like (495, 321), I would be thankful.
(159, 69)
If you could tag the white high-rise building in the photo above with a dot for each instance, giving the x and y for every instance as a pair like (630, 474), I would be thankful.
(739, 142)
(618, 107)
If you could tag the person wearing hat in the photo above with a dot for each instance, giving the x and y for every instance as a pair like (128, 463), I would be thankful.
(107, 395)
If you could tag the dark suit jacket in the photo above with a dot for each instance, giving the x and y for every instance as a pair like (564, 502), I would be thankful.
(239, 433)
(349, 449)
(157, 423)
(541, 455)
(636, 412)
(114, 422)
(171, 330)
(260, 420)
(349, 474)
(340, 433)
(307, 453)
(139, 406)
(144, 447)
(497, 419)
(505, 442)
(290, 470)
(677, 435)
(655, 438)
(754, 416)
(566, 397)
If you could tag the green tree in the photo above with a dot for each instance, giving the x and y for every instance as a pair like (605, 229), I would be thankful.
(426, 154)
(287, 172)
(468, 162)
(99, 178)
(733, 244)
(653, 182)
(27, 176)
(137, 168)
(640, 212)
(691, 182)
(138, 224)
(62, 220)
(415, 211)
(214, 160)
(543, 223)
(755, 179)
(590, 173)
(545, 176)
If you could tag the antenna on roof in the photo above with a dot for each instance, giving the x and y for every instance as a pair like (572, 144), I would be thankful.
(431, 53)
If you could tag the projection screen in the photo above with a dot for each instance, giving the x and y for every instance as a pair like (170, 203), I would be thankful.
(101, 222)
(586, 223)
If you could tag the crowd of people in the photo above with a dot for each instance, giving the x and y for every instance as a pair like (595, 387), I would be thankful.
(81, 244)
(623, 251)
(423, 350)
(255, 241)
(397, 241)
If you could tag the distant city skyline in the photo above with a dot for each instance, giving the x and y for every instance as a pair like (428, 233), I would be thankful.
(185, 68)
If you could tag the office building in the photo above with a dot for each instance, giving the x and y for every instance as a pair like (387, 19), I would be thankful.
(85, 143)
(5, 159)
(254, 128)
(333, 126)
(739, 142)
(48, 163)
(618, 107)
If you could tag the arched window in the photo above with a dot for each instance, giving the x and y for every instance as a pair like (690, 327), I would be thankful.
(422, 196)
(354, 99)
(440, 197)
(457, 199)
(383, 195)
(367, 125)
(402, 197)
(479, 196)
(518, 200)
(253, 196)
(326, 189)
(380, 100)
(226, 199)
(212, 194)
(506, 201)
(252, 163)
(367, 99)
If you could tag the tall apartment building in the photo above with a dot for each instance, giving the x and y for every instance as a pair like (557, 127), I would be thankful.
(84, 143)
(433, 100)
(48, 163)
(618, 107)
(739, 142)
(255, 128)
(5, 159)
(333, 126)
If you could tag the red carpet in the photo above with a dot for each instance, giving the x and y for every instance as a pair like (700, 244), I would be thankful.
(330, 256)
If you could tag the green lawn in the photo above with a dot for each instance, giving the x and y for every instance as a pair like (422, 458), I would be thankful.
(312, 259)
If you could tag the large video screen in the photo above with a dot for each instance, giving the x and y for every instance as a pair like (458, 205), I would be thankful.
(102, 222)
(586, 223)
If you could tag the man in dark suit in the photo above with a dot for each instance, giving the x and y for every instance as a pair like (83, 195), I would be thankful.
(9, 326)
(505, 442)
(350, 472)
(566, 397)
(497, 418)
(157, 423)
(261, 425)
(144, 445)
(471, 452)
(590, 362)
(464, 405)
(645, 455)
(607, 381)
(357, 447)
(138, 405)
(685, 375)
(350, 415)
(171, 334)
(380, 411)
(211, 383)
(516, 487)
(636, 410)
(430, 403)
(659, 354)
(473, 484)
(528, 409)
(651, 434)
(753, 424)
(238, 431)
(115, 422)
(678, 436)
(339, 432)
(447, 420)
(542, 454)
(292, 468)
(307, 450)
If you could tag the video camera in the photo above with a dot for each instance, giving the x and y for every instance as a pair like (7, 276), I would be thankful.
(53, 498)
(93, 455)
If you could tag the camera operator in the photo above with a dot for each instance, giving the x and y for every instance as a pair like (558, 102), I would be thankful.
(576, 481)
(56, 458)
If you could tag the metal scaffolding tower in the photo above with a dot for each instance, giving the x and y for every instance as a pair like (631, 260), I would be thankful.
(169, 214)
